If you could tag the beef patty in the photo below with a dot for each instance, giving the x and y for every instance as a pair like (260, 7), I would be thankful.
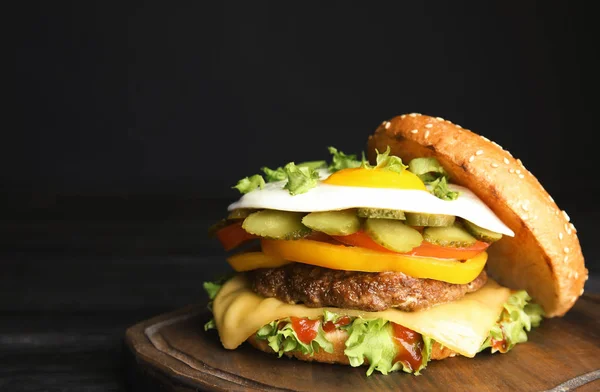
(368, 291)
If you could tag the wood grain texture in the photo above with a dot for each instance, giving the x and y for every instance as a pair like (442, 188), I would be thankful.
(173, 352)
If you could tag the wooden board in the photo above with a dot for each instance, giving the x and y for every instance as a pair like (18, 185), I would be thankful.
(172, 352)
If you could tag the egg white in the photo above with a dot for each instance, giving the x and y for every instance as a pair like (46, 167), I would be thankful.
(325, 197)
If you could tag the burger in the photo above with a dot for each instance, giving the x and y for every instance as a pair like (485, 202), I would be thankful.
(437, 243)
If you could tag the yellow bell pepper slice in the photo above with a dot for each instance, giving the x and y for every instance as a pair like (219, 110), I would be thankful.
(352, 258)
(247, 261)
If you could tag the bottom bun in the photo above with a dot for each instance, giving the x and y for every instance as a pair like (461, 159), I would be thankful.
(338, 338)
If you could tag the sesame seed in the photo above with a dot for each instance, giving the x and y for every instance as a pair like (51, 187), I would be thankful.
(387, 125)
(479, 152)
(550, 198)
(568, 230)
(471, 158)
(511, 171)
(428, 125)
(573, 227)
(576, 274)
(518, 171)
(426, 134)
(458, 126)
(506, 161)
(555, 212)
(560, 236)
(404, 115)
(494, 164)
(566, 249)
(524, 207)
(570, 274)
(521, 176)
(581, 292)
(485, 138)
(566, 259)
(439, 119)
(413, 114)
(414, 131)
(508, 152)
(566, 216)
(497, 144)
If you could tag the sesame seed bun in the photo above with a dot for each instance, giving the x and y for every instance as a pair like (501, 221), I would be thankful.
(544, 257)
(338, 338)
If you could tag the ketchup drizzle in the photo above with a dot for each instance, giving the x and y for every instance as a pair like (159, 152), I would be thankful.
(410, 346)
(305, 329)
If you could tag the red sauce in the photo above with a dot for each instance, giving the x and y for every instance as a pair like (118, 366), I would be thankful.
(499, 345)
(329, 326)
(305, 329)
(410, 346)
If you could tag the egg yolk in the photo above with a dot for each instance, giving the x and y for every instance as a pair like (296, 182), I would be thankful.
(375, 178)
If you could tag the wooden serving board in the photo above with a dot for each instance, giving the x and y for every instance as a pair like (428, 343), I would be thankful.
(172, 352)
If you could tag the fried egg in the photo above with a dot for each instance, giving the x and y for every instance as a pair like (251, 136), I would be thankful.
(373, 188)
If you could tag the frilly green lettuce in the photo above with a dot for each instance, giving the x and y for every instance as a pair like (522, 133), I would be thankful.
(373, 340)
(284, 339)
(248, 184)
(518, 316)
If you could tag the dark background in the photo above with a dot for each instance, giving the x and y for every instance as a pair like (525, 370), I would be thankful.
(131, 123)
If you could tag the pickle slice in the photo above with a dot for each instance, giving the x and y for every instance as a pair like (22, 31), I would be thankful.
(480, 233)
(240, 213)
(277, 225)
(380, 213)
(393, 234)
(421, 219)
(333, 222)
(453, 236)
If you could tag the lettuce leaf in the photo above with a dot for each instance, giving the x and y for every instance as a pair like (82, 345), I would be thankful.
(280, 174)
(389, 162)
(518, 316)
(212, 289)
(300, 178)
(373, 340)
(248, 184)
(340, 161)
(284, 339)
(441, 191)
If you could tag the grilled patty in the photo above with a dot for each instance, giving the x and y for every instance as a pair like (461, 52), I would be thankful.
(368, 291)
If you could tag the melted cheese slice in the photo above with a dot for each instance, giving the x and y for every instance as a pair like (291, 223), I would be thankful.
(461, 325)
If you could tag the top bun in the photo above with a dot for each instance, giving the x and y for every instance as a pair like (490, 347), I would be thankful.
(544, 257)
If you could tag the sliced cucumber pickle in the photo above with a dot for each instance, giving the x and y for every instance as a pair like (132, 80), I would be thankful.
(333, 222)
(421, 219)
(480, 233)
(454, 236)
(380, 213)
(240, 213)
(393, 234)
(278, 225)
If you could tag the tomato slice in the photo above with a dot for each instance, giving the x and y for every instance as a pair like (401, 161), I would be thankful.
(354, 258)
(233, 236)
(426, 249)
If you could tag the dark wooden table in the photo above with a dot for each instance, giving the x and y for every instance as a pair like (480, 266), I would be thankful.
(74, 277)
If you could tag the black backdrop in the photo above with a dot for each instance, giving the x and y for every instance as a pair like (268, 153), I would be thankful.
(186, 98)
